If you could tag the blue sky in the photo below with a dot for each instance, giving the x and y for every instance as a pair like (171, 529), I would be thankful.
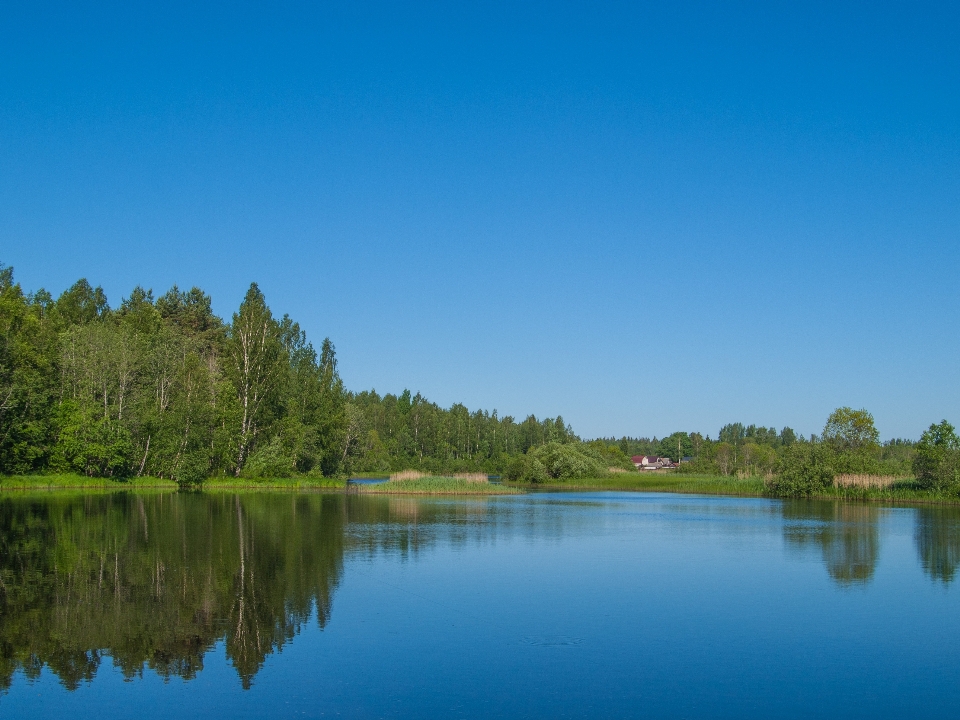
(642, 217)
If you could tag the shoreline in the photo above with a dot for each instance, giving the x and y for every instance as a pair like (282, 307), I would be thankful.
(680, 485)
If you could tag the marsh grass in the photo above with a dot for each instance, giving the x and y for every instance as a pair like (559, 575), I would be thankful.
(301, 483)
(69, 481)
(901, 490)
(81, 482)
(407, 475)
(655, 481)
(432, 485)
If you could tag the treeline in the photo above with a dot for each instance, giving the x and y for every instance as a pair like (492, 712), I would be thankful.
(407, 431)
(755, 450)
(163, 387)
(795, 465)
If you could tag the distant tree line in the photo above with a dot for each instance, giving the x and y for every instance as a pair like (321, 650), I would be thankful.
(164, 387)
(795, 465)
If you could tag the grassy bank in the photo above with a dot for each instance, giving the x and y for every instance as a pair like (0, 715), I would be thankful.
(69, 481)
(902, 491)
(437, 486)
(665, 482)
(82, 482)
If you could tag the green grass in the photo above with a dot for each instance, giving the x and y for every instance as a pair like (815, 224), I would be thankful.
(665, 482)
(437, 486)
(71, 481)
(81, 482)
(903, 491)
(302, 483)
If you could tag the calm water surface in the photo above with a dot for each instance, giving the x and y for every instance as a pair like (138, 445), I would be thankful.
(545, 605)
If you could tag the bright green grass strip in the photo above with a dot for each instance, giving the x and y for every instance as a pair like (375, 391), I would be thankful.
(437, 486)
(81, 482)
(662, 482)
(227, 483)
(902, 492)
(69, 481)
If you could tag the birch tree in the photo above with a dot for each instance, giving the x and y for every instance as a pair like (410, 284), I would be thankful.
(254, 366)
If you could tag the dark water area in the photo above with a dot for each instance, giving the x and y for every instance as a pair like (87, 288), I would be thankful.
(544, 605)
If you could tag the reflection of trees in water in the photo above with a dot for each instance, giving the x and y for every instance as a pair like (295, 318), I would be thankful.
(157, 580)
(938, 541)
(847, 535)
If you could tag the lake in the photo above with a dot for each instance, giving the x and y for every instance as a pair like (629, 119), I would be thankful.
(546, 605)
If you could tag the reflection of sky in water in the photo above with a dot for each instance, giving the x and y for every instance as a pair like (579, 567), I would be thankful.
(584, 605)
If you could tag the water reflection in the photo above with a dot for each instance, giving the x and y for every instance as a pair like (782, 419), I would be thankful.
(156, 581)
(938, 541)
(847, 535)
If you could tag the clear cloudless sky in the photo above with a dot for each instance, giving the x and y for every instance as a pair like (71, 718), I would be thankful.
(642, 216)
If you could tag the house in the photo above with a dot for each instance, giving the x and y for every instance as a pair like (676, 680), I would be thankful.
(651, 462)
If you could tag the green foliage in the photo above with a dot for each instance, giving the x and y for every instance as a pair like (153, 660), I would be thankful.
(272, 460)
(803, 470)
(849, 429)
(161, 387)
(565, 461)
(526, 469)
(90, 443)
(676, 446)
(854, 440)
(193, 469)
(937, 461)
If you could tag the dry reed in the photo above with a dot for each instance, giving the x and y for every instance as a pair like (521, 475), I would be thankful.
(407, 475)
(866, 481)
(417, 475)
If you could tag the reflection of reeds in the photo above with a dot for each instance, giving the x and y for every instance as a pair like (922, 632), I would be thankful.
(417, 475)
(405, 508)
(866, 481)
(438, 486)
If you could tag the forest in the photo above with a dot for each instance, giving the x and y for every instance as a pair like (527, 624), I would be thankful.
(163, 387)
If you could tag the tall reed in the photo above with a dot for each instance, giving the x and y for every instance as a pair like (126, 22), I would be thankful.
(417, 475)
(854, 480)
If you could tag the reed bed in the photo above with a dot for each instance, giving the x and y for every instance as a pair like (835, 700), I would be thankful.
(407, 475)
(428, 485)
(852, 480)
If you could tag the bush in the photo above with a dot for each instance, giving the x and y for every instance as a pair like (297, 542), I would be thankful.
(567, 462)
(273, 460)
(526, 468)
(802, 470)
(194, 469)
(937, 460)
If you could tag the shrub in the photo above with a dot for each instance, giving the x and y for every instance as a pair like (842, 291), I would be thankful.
(803, 469)
(272, 460)
(526, 468)
(566, 461)
(937, 460)
(193, 469)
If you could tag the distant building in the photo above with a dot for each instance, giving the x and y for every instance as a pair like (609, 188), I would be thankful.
(652, 462)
